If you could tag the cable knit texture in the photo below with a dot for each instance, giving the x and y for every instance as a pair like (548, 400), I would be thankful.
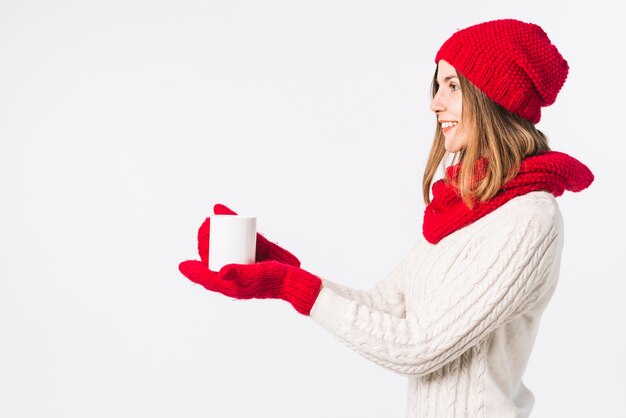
(459, 318)
(459, 315)
(551, 171)
(514, 63)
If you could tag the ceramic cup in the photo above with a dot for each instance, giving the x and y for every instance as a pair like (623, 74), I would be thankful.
(232, 240)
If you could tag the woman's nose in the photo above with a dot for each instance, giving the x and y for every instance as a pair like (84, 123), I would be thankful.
(436, 105)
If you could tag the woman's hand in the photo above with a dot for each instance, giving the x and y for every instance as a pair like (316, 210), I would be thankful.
(264, 280)
(265, 250)
(276, 275)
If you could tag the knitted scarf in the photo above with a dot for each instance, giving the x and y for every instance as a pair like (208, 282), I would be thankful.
(550, 171)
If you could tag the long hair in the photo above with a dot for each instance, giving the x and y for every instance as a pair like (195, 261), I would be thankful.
(494, 133)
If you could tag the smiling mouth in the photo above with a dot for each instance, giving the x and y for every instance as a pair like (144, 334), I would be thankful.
(447, 126)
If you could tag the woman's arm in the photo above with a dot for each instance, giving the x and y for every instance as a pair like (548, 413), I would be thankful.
(511, 269)
(388, 294)
(385, 297)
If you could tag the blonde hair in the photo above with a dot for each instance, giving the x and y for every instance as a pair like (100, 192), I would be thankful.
(494, 133)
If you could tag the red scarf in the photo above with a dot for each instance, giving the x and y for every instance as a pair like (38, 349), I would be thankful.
(550, 171)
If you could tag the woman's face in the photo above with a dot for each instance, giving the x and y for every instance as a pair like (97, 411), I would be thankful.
(447, 105)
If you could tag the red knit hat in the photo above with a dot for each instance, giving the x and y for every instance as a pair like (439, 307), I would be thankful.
(512, 62)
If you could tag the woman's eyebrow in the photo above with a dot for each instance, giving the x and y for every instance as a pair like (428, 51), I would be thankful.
(450, 77)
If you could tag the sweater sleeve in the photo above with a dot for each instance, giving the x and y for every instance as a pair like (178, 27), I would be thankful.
(498, 274)
(388, 294)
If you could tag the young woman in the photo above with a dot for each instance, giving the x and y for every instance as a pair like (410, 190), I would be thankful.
(460, 314)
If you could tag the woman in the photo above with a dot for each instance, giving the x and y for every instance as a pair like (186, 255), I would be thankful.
(460, 314)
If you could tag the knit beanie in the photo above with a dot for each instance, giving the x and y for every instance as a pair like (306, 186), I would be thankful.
(512, 62)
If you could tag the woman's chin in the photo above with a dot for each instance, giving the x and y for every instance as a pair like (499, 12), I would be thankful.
(453, 146)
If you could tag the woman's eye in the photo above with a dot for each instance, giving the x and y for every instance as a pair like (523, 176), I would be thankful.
(455, 87)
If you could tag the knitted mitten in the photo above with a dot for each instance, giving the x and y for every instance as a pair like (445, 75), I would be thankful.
(265, 280)
(265, 250)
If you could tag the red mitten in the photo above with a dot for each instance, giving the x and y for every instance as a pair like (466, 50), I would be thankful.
(265, 250)
(265, 280)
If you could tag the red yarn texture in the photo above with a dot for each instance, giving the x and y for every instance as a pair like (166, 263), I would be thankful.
(551, 171)
(275, 275)
(265, 280)
(265, 249)
(512, 62)
(274, 280)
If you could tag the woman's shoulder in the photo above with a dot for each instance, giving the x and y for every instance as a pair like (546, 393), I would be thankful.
(538, 201)
(537, 210)
(534, 214)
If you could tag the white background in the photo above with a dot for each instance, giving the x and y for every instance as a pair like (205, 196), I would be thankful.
(123, 122)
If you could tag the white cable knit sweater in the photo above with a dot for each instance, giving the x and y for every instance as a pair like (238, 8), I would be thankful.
(459, 318)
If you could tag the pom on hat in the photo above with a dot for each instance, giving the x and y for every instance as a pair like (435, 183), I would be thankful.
(512, 62)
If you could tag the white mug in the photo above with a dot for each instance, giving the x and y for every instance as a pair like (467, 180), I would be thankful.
(232, 240)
